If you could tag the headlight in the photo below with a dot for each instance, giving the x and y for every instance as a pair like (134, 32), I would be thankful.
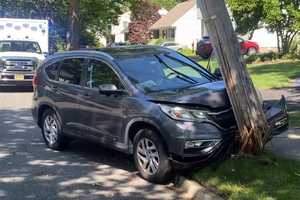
(179, 113)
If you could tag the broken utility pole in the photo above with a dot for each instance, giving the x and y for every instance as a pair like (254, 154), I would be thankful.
(245, 102)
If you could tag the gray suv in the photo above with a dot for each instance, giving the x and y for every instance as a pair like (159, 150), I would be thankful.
(151, 102)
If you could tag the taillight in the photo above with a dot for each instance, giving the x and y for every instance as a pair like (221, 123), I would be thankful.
(35, 81)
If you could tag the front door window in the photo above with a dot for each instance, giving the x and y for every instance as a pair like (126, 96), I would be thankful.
(100, 73)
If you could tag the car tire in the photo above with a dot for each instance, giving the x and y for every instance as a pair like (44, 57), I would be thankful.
(251, 51)
(151, 157)
(52, 132)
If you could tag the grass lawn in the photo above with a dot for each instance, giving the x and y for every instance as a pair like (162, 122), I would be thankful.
(187, 52)
(276, 75)
(295, 119)
(272, 75)
(254, 178)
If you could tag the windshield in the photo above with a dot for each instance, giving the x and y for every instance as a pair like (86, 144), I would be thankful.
(20, 46)
(153, 73)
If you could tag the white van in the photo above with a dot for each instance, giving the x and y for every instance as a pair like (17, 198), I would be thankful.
(24, 43)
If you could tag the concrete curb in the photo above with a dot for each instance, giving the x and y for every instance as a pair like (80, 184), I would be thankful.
(194, 191)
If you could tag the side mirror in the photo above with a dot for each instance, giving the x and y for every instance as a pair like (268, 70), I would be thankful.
(110, 89)
(45, 54)
(218, 73)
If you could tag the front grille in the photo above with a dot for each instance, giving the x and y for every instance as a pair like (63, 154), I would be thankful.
(224, 119)
(19, 65)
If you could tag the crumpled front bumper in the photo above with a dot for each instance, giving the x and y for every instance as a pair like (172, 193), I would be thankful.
(277, 116)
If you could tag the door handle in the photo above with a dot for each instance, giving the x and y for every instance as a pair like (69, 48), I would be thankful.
(54, 88)
(86, 95)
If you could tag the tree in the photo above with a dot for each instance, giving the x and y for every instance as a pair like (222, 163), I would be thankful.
(283, 17)
(73, 31)
(280, 16)
(143, 15)
(251, 121)
(95, 16)
(247, 14)
(167, 4)
(98, 15)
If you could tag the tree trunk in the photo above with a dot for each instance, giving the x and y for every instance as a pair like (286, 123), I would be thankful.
(247, 108)
(278, 42)
(73, 31)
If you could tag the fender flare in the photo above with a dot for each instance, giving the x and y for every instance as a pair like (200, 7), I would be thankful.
(136, 120)
(50, 106)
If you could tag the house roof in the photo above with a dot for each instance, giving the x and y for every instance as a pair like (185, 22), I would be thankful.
(174, 14)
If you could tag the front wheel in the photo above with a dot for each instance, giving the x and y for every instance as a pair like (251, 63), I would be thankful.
(151, 157)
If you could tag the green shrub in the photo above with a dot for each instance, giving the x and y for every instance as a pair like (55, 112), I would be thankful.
(289, 56)
(158, 41)
(251, 59)
(295, 48)
(262, 57)
(187, 52)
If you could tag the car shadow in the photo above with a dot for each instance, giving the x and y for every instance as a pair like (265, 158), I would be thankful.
(19, 89)
(28, 170)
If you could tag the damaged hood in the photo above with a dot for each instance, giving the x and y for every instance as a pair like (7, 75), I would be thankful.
(211, 95)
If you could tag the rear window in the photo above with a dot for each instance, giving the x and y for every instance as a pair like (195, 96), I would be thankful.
(52, 70)
(71, 71)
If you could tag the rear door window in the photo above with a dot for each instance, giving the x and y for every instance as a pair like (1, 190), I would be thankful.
(71, 71)
(52, 70)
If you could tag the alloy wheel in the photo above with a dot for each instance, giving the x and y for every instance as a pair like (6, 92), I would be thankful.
(147, 155)
(50, 129)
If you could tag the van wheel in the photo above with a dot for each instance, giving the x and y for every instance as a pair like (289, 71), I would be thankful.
(51, 130)
(150, 157)
(251, 51)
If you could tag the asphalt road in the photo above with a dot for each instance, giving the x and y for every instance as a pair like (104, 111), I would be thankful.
(28, 170)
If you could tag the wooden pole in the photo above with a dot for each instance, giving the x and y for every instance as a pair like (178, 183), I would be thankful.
(247, 108)
(73, 31)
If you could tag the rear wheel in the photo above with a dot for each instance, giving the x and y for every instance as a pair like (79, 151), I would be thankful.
(51, 130)
(251, 51)
(151, 157)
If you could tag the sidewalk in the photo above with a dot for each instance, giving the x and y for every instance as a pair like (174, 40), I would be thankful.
(288, 143)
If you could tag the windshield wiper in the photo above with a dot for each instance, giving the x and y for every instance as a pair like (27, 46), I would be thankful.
(179, 74)
(206, 73)
(184, 79)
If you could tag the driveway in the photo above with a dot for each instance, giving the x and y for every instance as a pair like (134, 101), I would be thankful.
(288, 143)
(28, 170)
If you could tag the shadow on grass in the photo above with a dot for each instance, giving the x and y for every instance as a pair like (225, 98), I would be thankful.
(255, 178)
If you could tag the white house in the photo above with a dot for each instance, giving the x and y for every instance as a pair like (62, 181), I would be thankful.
(185, 26)
(181, 25)
(120, 32)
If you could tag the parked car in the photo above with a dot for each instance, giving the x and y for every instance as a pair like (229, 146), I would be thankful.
(204, 47)
(172, 45)
(118, 44)
(151, 102)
